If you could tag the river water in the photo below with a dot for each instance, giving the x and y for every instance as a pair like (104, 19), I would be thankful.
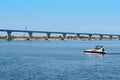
(58, 60)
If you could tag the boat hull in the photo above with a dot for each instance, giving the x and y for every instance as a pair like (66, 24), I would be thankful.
(93, 52)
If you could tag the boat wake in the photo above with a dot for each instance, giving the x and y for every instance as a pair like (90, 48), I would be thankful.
(113, 53)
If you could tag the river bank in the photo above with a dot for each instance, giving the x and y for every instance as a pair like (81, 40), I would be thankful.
(56, 38)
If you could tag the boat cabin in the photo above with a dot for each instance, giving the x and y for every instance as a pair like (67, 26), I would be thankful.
(99, 48)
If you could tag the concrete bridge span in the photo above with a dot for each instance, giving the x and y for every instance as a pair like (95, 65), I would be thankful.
(64, 34)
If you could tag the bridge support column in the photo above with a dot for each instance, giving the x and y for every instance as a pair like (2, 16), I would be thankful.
(64, 36)
(101, 36)
(90, 36)
(110, 37)
(9, 35)
(48, 36)
(119, 37)
(30, 35)
(78, 36)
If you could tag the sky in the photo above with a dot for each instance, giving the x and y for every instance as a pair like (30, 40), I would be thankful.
(84, 16)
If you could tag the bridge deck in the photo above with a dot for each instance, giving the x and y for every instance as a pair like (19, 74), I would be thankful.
(51, 32)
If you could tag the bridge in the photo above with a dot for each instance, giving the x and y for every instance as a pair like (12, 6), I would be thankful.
(48, 33)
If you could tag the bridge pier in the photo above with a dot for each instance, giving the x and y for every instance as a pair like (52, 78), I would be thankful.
(90, 36)
(48, 36)
(64, 36)
(78, 36)
(30, 35)
(110, 37)
(119, 37)
(101, 36)
(9, 35)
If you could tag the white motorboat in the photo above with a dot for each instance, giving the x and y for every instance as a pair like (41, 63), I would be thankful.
(97, 49)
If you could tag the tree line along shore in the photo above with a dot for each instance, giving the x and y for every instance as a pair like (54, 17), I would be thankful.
(55, 38)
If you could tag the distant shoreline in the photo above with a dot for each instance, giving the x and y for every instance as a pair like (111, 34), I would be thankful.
(55, 38)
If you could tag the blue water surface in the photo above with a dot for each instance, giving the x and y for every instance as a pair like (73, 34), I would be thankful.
(58, 60)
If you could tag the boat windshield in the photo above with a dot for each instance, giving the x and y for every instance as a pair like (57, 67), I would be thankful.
(98, 47)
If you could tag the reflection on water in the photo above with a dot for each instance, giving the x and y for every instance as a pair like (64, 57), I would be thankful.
(95, 54)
